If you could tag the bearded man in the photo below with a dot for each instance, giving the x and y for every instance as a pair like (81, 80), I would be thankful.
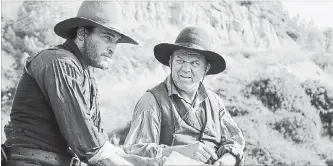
(55, 117)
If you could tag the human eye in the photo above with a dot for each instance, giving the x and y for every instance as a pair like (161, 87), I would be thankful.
(106, 37)
(180, 61)
(195, 64)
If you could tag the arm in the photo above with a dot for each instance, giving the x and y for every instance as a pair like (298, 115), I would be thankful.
(144, 135)
(233, 142)
(61, 81)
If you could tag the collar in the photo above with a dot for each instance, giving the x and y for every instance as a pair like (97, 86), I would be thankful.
(172, 90)
(72, 47)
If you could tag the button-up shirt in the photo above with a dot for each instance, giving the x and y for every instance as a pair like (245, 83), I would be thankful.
(145, 132)
(55, 106)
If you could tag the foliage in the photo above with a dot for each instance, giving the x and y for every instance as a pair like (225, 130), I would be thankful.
(328, 35)
(322, 99)
(282, 93)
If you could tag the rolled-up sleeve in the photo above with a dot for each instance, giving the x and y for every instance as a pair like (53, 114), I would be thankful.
(62, 82)
(144, 135)
(234, 140)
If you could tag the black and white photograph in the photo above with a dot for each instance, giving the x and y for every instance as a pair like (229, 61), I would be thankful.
(160, 83)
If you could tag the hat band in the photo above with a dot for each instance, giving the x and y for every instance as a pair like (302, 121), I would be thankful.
(190, 45)
(104, 23)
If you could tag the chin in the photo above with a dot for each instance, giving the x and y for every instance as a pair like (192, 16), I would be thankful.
(102, 65)
(186, 88)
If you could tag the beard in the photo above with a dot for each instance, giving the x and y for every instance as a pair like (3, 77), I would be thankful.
(91, 55)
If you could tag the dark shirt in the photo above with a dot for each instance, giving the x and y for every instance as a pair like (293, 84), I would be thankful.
(55, 106)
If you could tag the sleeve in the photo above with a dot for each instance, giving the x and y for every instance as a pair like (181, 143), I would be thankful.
(61, 81)
(232, 138)
(144, 135)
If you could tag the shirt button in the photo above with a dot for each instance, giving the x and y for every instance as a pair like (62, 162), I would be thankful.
(206, 131)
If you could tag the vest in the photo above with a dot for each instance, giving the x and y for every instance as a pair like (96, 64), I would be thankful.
(33, 123)
(174, 131)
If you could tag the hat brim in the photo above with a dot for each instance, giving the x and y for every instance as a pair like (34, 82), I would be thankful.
(62, 28)
(163, 53)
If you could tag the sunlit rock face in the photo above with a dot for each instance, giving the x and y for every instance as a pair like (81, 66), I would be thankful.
(232, 24)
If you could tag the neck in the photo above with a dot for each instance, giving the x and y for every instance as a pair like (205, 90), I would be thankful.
(82, 56)
(189, 95)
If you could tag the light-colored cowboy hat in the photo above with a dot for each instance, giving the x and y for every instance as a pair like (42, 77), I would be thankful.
(106, 14)
(192, 38)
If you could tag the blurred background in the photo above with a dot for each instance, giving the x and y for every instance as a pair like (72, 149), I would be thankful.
(278, 85)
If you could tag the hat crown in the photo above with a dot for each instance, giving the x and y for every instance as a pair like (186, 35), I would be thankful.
(194, 36)
(104, 12)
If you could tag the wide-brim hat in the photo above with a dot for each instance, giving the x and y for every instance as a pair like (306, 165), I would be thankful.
(105, 14)
(195, 39)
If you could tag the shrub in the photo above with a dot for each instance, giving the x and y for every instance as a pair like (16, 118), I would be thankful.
(296, 127)
(245, 3)
(322, 99)
(282, 93)
(230, 90)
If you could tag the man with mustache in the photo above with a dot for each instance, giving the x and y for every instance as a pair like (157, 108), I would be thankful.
(55, 107)
(180, 114)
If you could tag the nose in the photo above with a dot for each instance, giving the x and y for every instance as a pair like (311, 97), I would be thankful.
(112, 46)
(110, 51)
(186, 67)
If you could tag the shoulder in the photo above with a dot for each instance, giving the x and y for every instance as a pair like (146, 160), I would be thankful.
(55, 57)
(215, 97)
(148, 100)
(146, 104)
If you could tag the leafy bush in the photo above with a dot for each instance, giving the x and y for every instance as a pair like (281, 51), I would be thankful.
(282, 93)
(322, 99)
(230, 91)
(296, 127)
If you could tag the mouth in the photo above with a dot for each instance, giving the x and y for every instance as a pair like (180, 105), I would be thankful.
(108, 55)
(185, 77)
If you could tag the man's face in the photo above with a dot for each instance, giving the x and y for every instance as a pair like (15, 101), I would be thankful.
(99, 46)
(188, 69)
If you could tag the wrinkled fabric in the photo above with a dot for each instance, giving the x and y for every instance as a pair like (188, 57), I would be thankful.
(55, 106)
(146, 136)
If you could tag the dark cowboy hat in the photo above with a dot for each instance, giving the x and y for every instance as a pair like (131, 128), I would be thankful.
(192, 38)
(105, 14)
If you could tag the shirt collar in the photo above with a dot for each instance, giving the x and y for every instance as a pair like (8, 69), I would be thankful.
(172, 90)
(72, 47)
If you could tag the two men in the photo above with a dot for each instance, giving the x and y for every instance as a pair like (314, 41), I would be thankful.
(180, 114)
(55, 114)
(55, 110)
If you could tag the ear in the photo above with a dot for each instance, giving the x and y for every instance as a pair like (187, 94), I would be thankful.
(80, 33)
(207, 67)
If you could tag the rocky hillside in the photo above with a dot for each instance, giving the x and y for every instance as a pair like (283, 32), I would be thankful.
(277, 86)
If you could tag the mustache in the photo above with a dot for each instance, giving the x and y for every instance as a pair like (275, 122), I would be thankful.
(108, 54)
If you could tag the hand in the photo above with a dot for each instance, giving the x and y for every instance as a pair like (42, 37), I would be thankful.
(198, 151)
(226, 159)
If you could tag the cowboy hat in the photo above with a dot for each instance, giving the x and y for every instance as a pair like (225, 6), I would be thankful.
(191, 38)
(105, 14)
